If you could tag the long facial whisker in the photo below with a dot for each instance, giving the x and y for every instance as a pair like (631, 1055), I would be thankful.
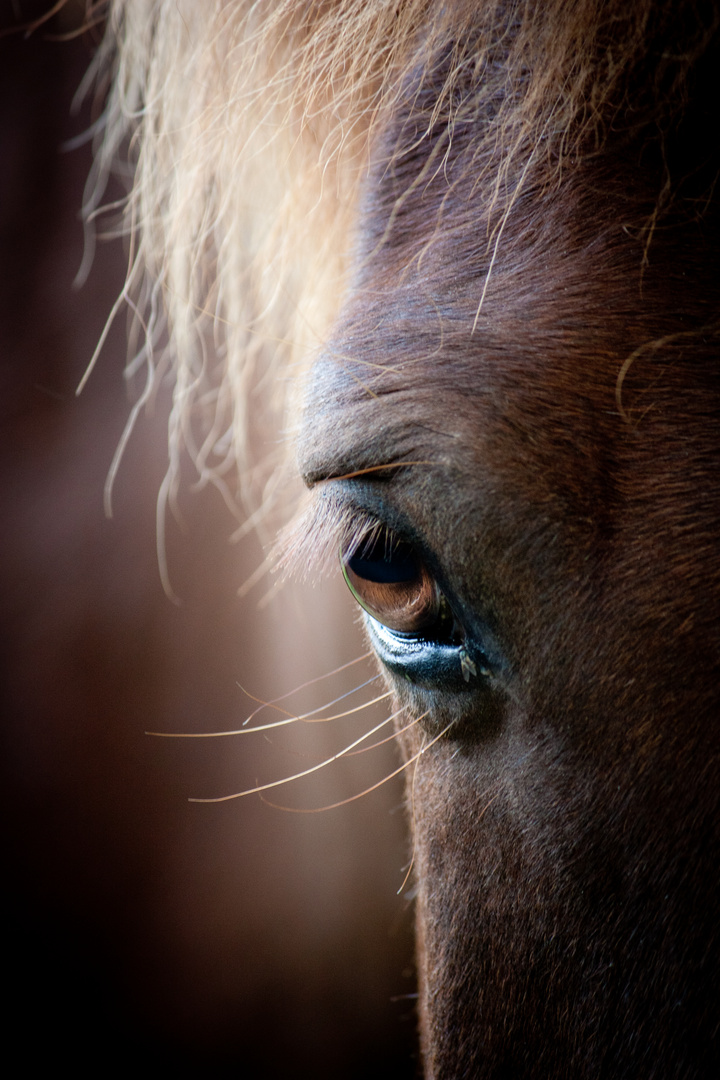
(373, 746)
(310, 716)
(412, 833)
(367, 791)
(305, 718)
(291, 718)
(305, 772)
(338, 716)
(322, 719)
(341, 697)
(303, 686)
(302, 718)
(389, 738)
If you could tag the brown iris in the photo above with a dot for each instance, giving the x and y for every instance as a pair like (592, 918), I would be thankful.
(392, 584)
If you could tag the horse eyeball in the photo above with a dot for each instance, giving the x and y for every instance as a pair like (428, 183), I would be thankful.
(391, 583)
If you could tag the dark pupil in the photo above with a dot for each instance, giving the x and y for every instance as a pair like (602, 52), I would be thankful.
(384, 562)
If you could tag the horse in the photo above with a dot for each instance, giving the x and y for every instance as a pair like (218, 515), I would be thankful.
(483, 237)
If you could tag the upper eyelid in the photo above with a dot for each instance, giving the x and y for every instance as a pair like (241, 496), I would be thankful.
(329, 519)
(338, 514)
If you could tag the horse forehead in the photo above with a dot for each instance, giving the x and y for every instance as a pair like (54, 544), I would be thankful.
(449, 349)
(361, 415)
(413, 374)
(441, 338)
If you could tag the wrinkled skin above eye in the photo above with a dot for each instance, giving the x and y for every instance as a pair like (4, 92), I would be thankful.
(392, 584)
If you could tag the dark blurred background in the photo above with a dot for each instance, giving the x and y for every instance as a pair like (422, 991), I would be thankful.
(141, 930)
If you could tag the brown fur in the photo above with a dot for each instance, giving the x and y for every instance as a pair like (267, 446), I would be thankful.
(516, 204)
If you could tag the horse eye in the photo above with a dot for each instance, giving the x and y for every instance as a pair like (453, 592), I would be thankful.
(391, 583)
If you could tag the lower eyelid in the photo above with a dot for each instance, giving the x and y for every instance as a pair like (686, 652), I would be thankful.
(427, 664)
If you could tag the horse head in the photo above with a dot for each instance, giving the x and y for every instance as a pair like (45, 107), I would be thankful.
(510, 433)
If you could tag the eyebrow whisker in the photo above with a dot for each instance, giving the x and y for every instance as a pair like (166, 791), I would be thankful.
(375, 468)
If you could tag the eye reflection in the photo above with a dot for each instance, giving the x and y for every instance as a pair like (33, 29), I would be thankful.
(392, 584)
